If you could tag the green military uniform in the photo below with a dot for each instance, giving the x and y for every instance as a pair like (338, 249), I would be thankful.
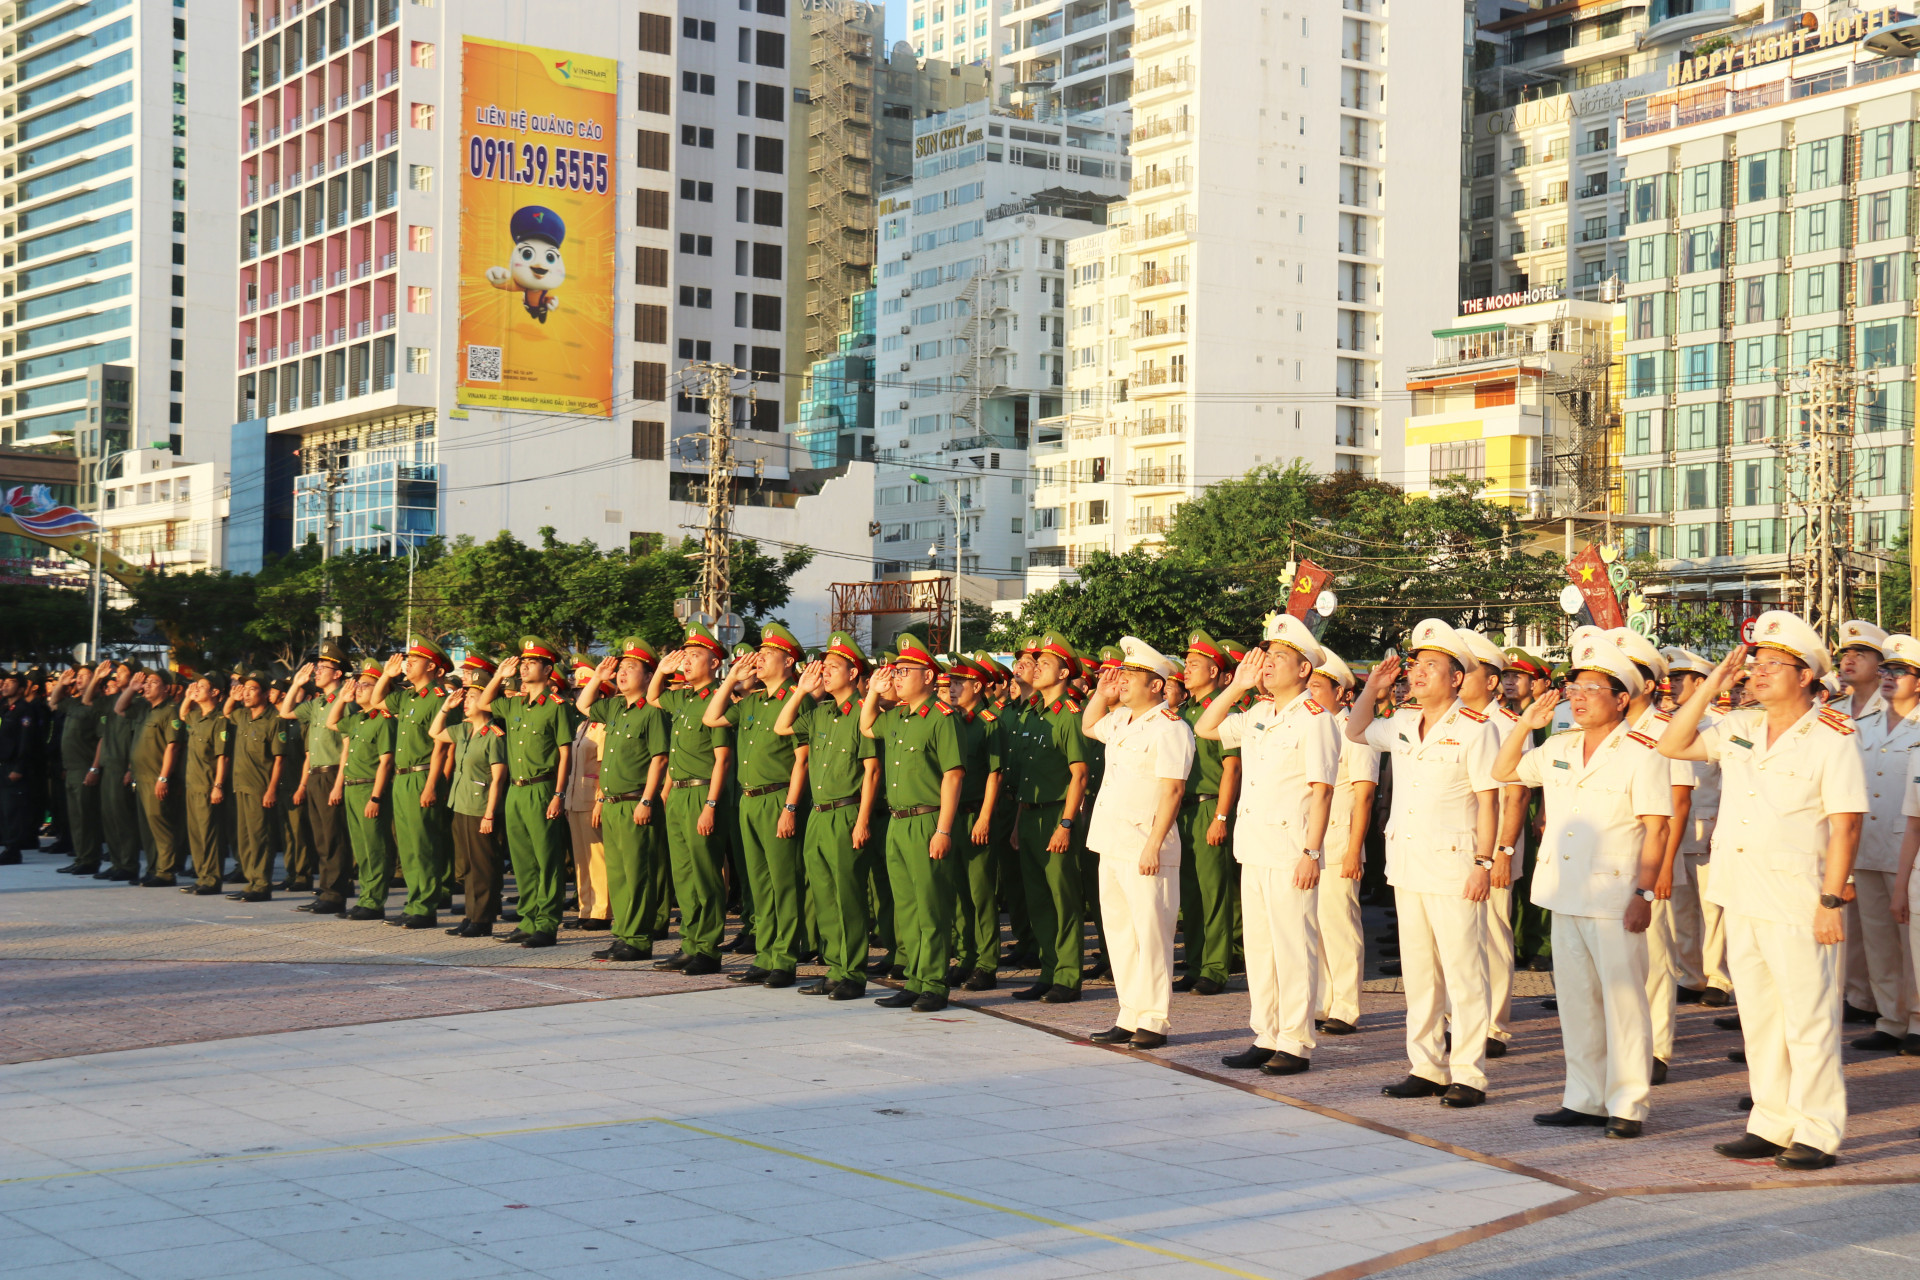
(1208, 873)
(368, 736)
(636, 734)
(977, 915)
(919, 747)
(874, 858)
(259, 738)
(773, 862)
(538, 727)
(209, 739)
(696, 858)
(1010, 713)
(837, 753)
(422, 832)
(728, 816)
(1046, 744)
(1089, 859)
(166, 835)
(476, 852)
(329, 824)
(79, 736)
(291, 819)
(119, 803)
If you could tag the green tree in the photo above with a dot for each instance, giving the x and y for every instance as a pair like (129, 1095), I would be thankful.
(204, 614)
(1159, 598)
(44, 623)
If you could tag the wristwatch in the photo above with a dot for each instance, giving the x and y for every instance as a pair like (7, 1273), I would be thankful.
(1485, 864)
(1832, 902)
(1645, 893)
(791, 808)
(1504, 848)
(1066, 824)
(645, 803)
(713, 804)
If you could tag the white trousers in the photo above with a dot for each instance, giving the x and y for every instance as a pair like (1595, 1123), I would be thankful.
(1281, 927)
(1661, 974)
(1343, 947)
(1600, 979)
(1889, 966)
(1853, 972)
(1790, 1019)
(1138, 913)
(1689, 928)
(1498, 939)
(1711, 922)
(1443, 958)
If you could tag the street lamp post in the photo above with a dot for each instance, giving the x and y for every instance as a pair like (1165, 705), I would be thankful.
(953, 643)
(100, 533)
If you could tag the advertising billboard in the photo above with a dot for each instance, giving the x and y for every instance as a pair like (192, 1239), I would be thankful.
(538, 190)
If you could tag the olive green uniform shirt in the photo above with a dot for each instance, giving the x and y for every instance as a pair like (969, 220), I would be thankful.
(537, 725)
(322, 744)
(918, 748)
(635, 735)
(116, 737)
(474, 755)
(369, 736)
(159, 728)
(79, 734)
(1208, 755)
(766, 758)
(1046, 743)
(836, 749)
(257, 739)
(980, 752)
(690, 754)
(413, 715)
(209, 736)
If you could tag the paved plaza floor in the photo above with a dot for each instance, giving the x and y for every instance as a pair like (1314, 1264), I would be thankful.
(197, 1088)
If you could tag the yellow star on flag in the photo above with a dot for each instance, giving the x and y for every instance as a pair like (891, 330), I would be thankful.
(1586, 573)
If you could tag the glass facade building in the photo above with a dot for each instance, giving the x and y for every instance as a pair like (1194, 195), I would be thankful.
(836, 418)
(387, 495)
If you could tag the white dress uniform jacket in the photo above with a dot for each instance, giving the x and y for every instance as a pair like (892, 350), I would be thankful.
(1434, 824)
(1342, 943)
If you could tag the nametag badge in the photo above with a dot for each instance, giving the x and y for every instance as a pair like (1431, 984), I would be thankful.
(1742, 742)
(1403, 737)
(1561, 764)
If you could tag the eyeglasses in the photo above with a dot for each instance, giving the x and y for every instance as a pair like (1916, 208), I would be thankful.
(1773, 664)
(1589, 690)
(1897, 671)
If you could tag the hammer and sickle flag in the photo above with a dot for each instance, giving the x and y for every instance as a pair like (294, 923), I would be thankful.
(1308, 581)
(1588, 572)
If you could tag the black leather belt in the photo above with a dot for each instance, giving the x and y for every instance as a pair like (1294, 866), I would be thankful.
(691, 782)
(528, 782)
(916, 811)
(836, 804)
(751, 792)
(623, 797)
(1194, 800)
(359, 782)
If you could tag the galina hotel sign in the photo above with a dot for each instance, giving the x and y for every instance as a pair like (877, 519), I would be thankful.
(1844, 28)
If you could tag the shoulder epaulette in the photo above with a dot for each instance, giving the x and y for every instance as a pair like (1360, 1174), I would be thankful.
(1663, 716)
(1074, 707)
(1170, 713)
(1314, 708)
(1641, 738)
(1510, 714)
(1837, 721)
(988, 715)
(1478, 717)
(945, 709)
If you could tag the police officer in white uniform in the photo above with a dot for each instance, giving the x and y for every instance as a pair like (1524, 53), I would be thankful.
(1149, 752)
(1480, 691)
(1792, 797)
(1440, 840)
(1289, 762)
(1856, 684)
(1887, 740)
(1343, 945)
(1699, 932)
(1607, 803)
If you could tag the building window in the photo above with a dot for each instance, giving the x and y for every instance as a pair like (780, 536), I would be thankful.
(420, 239)
(420, 177)
(420, 299)
(1459, 458)
(650, 438)
(422, 115)
(421, 54)
(419, 360)
(699, 246)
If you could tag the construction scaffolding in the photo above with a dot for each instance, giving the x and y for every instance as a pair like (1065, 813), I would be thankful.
(840, 208)
(1583, 461)
(1816, 455)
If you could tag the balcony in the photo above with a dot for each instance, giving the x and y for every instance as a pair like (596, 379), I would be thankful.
(1146, 425)
(1157, 327)
(1146, 526)
(1168, 28)
(1156, 80)
(1157, 477)
(1151, 228)
(1178, 126)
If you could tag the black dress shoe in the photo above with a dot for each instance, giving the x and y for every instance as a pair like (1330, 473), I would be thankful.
(1496, 1048)
(1414, 1087)
(1283, 1063)
(1540, 964)
(818, 987)
(1185, 983)
(847, 989)
(1462, 1095)
(980, 980)
(780, 978)
(702, 966)
(1095, 972)
(260, 895)
(1033, 992)
(622, 953)
(930, 1002)
(898, 1000)
(742, 945)
(1115, 1034)
(1910, 1047)
(236, 897)
(300, 886)
(1879, 1042)
(1059, 994)
(1714, 997)
(203, 890)
(1567, 1118)
(1804, 1159)
(366, 913)
(461, 930)
(235, 877)
(1550, 1004)
(1247, 1059)
(1856, 1015)
(753, 976)
(1147, 1040)
(593, 926)
(428, 921)
(1659, 1071)
(1688, 995)
(157, 882)
(1018, 959)
(1336, 1027)
(1737, 1055)
(1749, 1146)
(1619, 1128)
(1390, 968)
(1208, 987)
(119, 876)
(536, 940)
(509, 916)
(878, 968)
(673, 963)
(1728, 1022)
(518, 935)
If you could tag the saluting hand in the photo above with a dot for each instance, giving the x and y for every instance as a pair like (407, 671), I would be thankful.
(813, 678)
(1724, 674)
(393, 666)
(608, 666)
(509, 669)
(1539, 712)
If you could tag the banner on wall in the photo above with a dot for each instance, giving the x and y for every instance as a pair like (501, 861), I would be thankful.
(537, 215)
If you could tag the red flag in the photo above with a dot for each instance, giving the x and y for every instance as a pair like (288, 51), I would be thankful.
(1588, 572)
(1308, 580)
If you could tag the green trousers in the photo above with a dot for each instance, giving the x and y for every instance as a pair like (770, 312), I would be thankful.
(83, 818)
(777, 876)
(1007, 876)
(1206, 893)
(1089, 864)
(538, 848)
(372, 840)
(301, 854)
(425, 841)
(873, 863)
(255, 825)
(165, 833)
(1532, 925)
(633, 857)
(205, 837)
(696, 871)
(661, 870)
(1054, 897)
(120, 821)
(838, 885)
(922, 902)
(976, 923)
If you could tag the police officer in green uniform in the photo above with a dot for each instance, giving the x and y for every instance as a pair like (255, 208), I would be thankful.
(983, 750)
(843, 777)
(629, 812)
(476, 787)
(119, 823)
(773, 782)
(1050, 762)
(321, 749)
(209, 752)
(79, 738)
(1109, 657)
(698, 760)
(362, 789)
(289, 815)
(874, 859)
(920, 743)
(539, 724)
(158, 762)
(1207, 868)
(422, 825)
(1012, 705)
(259, 746)
(739, 883)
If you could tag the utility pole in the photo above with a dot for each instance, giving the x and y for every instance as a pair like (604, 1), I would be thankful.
(716, 587)
(331, 484)
(1822, 462)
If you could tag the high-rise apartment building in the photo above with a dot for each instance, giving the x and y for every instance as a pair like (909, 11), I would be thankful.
(970, 322)
(112, 121)
(1065, 55)
(955, 30)
(1279, 229)
(1770, 221)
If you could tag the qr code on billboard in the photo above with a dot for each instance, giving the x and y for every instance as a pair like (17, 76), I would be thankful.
(483, 363)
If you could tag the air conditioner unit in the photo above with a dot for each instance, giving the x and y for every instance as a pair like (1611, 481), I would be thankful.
(906, 404)
(905, 257)
(906, 328)
(906, 366)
